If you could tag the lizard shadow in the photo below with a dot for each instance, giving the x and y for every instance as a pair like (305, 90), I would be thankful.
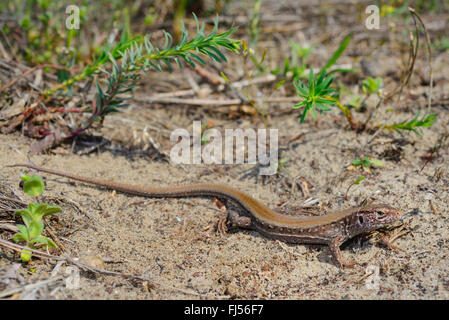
(86, 144)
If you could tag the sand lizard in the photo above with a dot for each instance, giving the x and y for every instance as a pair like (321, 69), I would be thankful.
(331, 229)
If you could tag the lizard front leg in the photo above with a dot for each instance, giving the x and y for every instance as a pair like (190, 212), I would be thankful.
(334, 247)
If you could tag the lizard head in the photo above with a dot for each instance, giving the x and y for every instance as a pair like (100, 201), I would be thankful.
(373, 217)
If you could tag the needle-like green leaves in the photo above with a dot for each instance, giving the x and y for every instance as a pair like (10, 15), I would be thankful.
(140, 55)
(414, 125)
(317, 94)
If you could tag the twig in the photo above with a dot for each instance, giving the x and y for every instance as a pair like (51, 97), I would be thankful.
(50, 231)
(215, 102)
(13, 200)
(197, 102)
(366, 275)
(9, 227)
(212, 78)
(437, 147)
(85, 267)
(370, 116)
(12, 291)
(65, 257)
(29, 71)
(181, 93)
(19, 248)
(245, 83)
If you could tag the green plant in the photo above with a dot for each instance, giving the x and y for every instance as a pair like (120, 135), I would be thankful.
(150, 16)
(254, 23)
(333, 59)
(297, 65)
(31, 232)
(130, 58)
(282, 161)
(317, 94)
(369, 86)
(414, 125)
(356, 182)
(42, 28)
(144, 55)
(442, 44)
(356, 102)
(372, 85)
(366, 162)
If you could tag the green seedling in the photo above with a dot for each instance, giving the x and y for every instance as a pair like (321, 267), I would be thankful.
(33, 217)
(33, 186)
(356, 102)
(253, 26)
(366, 162)
(442, 44)
(301, 52)
(205, 139)
(353, 101)
(297, 65)
(372, 85)
(283, 162)
(317, 94)
(150, 16)
(369, 86)
(356, 182)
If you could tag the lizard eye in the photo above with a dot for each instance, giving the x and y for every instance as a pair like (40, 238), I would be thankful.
(361, 219)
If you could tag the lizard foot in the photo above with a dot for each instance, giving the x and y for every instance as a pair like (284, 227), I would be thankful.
(334, 247)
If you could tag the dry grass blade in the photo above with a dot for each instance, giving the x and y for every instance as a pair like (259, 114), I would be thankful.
(407, 73)
(429, 53)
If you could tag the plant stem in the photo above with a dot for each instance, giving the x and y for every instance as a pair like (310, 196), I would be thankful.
(345, 110)
(65, 84)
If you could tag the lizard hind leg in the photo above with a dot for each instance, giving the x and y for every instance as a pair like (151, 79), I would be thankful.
(234, 220)
(233, 217)
(239, 220)
(230, 217)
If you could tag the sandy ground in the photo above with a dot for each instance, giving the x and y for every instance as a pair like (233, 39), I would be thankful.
(175, 244)
(173, 240)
